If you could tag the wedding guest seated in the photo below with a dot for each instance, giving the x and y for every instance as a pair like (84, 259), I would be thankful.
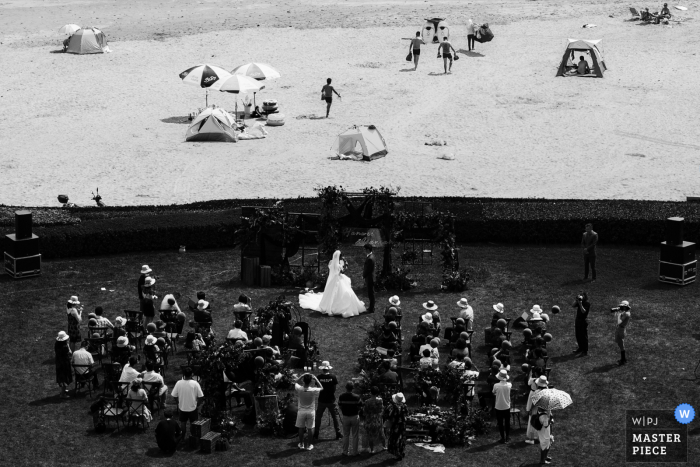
(452, 334)
(388, 338)
(499, 313)
(503, 354)
(232, 388)
(393, 363)
(431, 308)
(119, 327)
(122, 351)
(428, 361)
(201, 296)
(238, 333)
(102, 322)
(150, 350)
(161, 334)
(296, 340)
(414, 352)
(168, 433)
(170, 312)
(201, 314)
(536, 323)
(388, 376)
(130, 373)
(466, 313)
(535, 357)
(390, 315)
(83, 357)
(429, 396)
(151, 328)
(267, 339)
(151, 376)
(394, 303)
(137, 393)
(195, 341)
(242, 310)
(460, 350)
(425, 329)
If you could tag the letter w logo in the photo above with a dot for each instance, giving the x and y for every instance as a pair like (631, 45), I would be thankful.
(684, 413)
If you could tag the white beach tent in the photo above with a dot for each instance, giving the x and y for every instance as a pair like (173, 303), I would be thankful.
(87, 41)
(592, 47)
(361, 142)
(212, 125)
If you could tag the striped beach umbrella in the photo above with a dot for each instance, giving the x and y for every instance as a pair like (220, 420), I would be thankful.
(258, 71)
(203, 76)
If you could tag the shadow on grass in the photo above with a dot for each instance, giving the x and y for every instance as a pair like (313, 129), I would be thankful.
(175, 120)
(52, 360)
(484, 447)
(697, 336)
(385, 462)
(656, 285)
(157, 453)
(329, 460)
(286, 453)
(604, 368)
(564, 358)
(573, 282)
(48, 401)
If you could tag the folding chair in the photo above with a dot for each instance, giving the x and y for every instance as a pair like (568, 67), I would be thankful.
(153, 390)
(101, 330)
(111, 373)
(135, 412)
(111, 411)
(84, 376)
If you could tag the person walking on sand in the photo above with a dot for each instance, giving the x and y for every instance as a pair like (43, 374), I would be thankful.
(470, 35)
(327, 95)
(415, 48)
(445, 47)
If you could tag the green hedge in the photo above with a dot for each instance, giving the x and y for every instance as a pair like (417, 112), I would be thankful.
(211, 224)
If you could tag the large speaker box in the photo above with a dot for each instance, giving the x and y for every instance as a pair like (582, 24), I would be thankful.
(23, 267)
(678, 254)
(23, 224)
(679, 274)
(674, 230)
(18, 248)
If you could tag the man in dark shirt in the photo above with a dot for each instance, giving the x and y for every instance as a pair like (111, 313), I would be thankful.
(350, 405)
(201, 315)
(326, 399)
(588, 243)
(168, 433)
(388, 376)
(583, 306)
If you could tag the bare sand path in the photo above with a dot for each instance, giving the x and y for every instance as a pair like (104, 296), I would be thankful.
(71, 123)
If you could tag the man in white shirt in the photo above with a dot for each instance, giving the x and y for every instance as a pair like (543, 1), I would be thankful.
(432, 347)
(236, 332)
(83, 357)
(129, 373)
(502, 392)
(187, 393)
(306, 415)
(151, 376)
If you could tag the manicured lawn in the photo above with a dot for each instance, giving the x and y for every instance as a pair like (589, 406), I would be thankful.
(40, 428)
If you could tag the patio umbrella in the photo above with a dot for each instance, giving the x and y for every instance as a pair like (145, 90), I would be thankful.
(257, 71)
(238, 84)
(551, 399)
(204, 76)
(69, 29)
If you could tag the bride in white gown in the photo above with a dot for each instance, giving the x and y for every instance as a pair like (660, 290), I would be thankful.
(338, 297)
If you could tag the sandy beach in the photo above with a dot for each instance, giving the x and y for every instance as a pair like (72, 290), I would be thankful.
(72, 123)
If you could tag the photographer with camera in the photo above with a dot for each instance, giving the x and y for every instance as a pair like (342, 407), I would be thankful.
(623, 316)
(583, 306)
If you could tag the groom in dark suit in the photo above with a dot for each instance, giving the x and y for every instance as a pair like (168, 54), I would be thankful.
(368, 276)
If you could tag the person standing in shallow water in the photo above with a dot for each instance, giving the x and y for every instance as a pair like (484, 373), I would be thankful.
(415, 49)
(327, 95)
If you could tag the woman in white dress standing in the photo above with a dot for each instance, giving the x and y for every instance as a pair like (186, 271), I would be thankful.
(338, 297)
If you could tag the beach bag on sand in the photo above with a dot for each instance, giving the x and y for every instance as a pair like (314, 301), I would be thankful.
(409, 57)
(484, 34)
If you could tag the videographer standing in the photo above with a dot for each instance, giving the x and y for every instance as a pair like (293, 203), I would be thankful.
(588, 243)
(583, 306)
(623, 316)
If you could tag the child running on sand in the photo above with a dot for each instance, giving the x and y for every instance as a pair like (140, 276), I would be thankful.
(327, 95)
(445, 48)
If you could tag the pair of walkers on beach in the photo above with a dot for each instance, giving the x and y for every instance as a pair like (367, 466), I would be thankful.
(445, 49)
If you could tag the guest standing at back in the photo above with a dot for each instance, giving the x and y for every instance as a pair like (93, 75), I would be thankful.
(368, 276)
(588, 243)
(415, 48)
(327, 95)
(145, 272)
(470, 35)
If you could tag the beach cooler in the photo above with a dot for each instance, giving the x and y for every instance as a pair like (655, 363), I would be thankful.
(275, 120)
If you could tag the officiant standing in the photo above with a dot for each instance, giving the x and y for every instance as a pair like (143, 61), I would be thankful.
(368, 276)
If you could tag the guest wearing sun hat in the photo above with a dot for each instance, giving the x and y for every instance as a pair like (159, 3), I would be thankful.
(537, 384)
(146, 305)
(202, 315)
(432, 307)
(64, 371)
(150, 349)
(499, 313)
(466, 313)
(122, 351)
(394, 302)
(145, 272)
(74, 312)
(119, 327)
(502, 393)
(536, 323)
(395, 416)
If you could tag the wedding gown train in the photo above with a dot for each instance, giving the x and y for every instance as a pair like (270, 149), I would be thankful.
(338, 298)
